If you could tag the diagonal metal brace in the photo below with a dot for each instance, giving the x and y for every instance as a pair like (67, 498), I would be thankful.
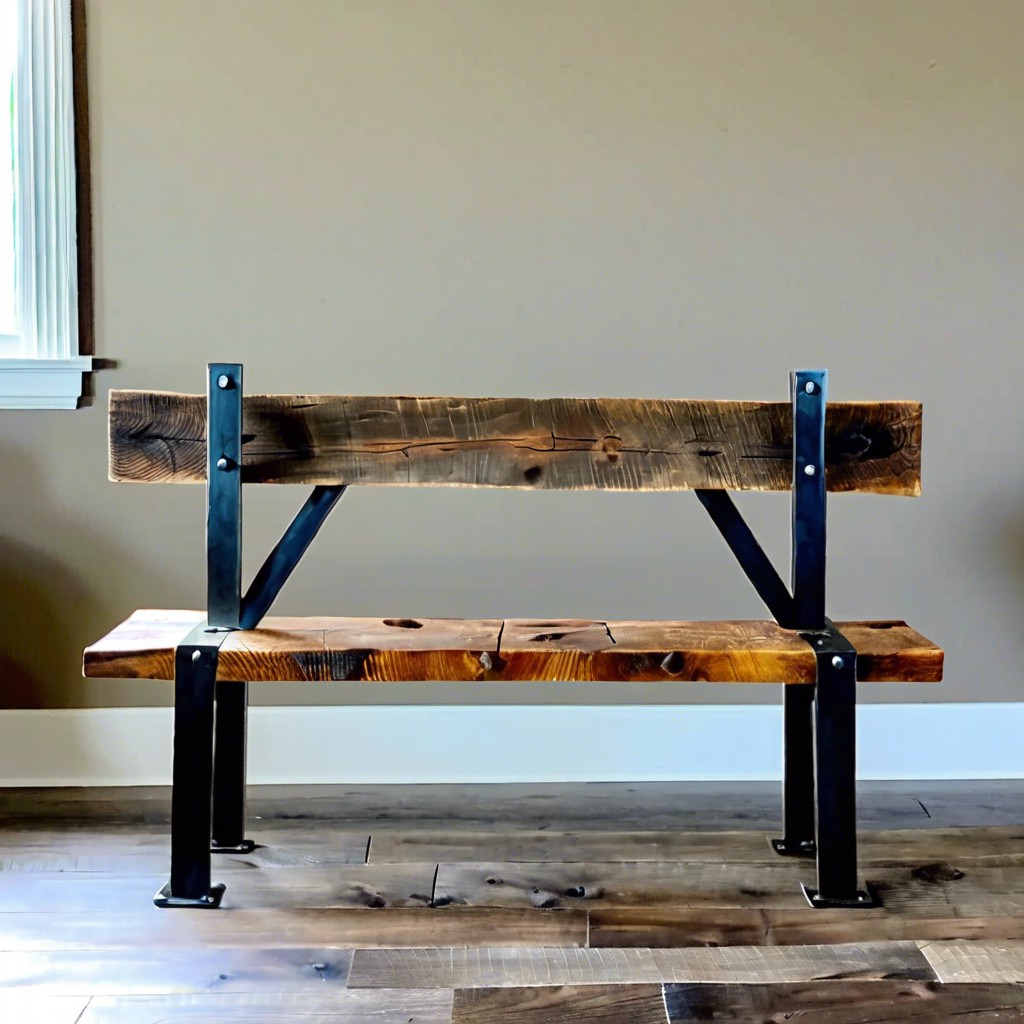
(287, 553)
(749, 553)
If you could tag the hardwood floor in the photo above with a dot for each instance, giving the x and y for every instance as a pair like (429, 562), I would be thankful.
(514, 905)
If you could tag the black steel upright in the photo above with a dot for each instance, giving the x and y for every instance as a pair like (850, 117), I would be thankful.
(195, 675)
(808, 392)
(224, 598)
(208, 801)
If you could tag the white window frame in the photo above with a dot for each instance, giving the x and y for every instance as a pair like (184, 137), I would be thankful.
(40, 367)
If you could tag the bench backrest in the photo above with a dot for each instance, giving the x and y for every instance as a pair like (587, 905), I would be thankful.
(629, 444)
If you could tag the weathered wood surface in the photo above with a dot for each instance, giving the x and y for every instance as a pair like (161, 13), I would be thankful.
(621, 927)
(120, 972)
(513, 968)
(332, 1006)
(638, 884)
(281, 921)
(33, 1008)
(853, 1002)
(400, 847)
(956, 962)
(320, 813)
(373, 887)
(556, 443)
(564, 1004)
(493, 650)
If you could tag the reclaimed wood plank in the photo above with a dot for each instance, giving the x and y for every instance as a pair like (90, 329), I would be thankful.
(599, 807)
(958, 962)
(492, 650)
(334, 1007)
(644, 884)
(153, 971)
(344, 1006)
(991, 846)
(651, 927)
(527, 968)
(853, 1002)
(33, 1008)
(373, 887)
(564, 443)
(137, 926)
(509, 847)
(154, 857)
(566, 1004)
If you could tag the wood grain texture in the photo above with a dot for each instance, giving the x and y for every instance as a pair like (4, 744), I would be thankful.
(640, 884)
(493, 650)
(143, 971)
(510, 847)
(373, 887)
(334, 1006)
(956, 962)
(566, 1004)
(512, 968)
(853, 1002)
(554, 443)
(269, 923)
(621, 927)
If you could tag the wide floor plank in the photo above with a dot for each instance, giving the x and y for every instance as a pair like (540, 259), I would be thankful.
(851, 1002)
(342, 1006)
(717, 926)
(373, 887)
(134, 927)
(644, 883)
(163, 971)
(567, 1004)
(34, 1008)
(604, 847)
(505, 968)
(955, 962)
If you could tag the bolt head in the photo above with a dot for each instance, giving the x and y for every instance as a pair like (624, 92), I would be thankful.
(838, 662)
(810, 470)
(810, 387)
(222, 463)
(223, 381)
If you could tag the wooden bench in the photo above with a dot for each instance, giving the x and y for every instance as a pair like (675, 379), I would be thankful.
(579, 444)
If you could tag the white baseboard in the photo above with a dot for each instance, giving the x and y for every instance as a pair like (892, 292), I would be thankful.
(132, 746)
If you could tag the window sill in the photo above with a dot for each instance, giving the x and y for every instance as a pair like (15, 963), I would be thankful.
(42, 383)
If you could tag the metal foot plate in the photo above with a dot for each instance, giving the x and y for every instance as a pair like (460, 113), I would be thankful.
(794, 847)
(818, 902)
(245, 846)
(210, 901)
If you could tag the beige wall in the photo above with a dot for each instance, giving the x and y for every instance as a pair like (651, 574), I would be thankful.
(561, 197)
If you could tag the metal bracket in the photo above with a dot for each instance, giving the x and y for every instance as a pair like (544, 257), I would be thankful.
(224, 494)
(809, 390)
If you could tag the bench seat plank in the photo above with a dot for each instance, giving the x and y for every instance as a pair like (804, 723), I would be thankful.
(494, 650)
(626, 444)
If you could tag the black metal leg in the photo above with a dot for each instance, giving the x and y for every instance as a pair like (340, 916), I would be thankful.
(229, 770)
(195, 675)
(798, 783)
(835, 770)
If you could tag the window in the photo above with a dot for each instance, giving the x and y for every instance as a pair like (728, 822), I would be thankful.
(41, 364)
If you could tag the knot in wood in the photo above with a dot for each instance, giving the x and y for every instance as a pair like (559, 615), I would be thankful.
(611, 447)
